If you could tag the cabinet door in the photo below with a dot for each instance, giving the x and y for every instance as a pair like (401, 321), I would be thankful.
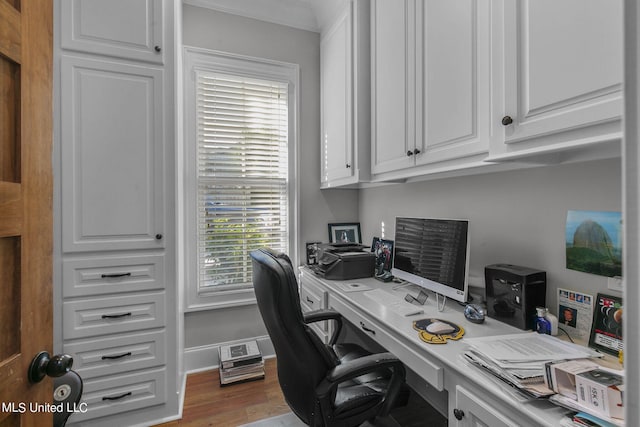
(393, 76)
(337, 98)
(112, 155)
(471, 410)
(130, 29)
(453, 79)
(562, 65)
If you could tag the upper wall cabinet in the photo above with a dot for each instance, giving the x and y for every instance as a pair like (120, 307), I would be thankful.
(392, 94)
(558, 75)
(345, 98)
(432, 106)
(100, 27)
(112, 170)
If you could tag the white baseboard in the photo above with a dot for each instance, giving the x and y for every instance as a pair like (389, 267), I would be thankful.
(206, 357)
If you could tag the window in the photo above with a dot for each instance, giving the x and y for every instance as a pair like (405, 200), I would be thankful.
(240, 141)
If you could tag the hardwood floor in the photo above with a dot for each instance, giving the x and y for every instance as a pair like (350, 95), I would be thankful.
(208, 404)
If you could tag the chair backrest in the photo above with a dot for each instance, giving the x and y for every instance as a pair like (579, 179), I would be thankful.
(303, 360)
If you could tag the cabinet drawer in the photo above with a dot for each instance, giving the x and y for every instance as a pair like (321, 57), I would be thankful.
(428, 369)
(114, 355)
(84, 277)
(92, 317)
(114, 394)
(476, 411)
(313, 299)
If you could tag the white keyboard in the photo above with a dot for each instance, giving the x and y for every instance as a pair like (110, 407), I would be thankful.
(393, 303)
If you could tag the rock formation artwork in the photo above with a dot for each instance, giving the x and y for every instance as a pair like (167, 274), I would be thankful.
(593, 242)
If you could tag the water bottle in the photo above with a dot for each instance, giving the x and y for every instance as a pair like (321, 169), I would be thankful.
(543, 326)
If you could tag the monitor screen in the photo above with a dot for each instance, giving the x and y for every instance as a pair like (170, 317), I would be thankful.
(434, 254)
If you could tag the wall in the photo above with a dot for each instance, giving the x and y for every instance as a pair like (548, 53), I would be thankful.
(230, 33)
(516, 217)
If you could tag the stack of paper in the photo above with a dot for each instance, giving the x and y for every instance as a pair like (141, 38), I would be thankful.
(519, 359)
(240, 362)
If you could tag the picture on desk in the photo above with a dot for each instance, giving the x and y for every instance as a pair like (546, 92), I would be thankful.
(593, 242)
(568, 316)
(345, 233)
(383, 249)
(606, 330)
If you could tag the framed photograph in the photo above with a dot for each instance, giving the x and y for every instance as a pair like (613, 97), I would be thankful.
(312, 253)
(383, 249)
(346, 232)
(606, 330)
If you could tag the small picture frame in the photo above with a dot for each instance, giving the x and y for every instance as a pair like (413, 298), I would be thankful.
(383, 249)
(312, 252)
(606, 330)
(345, 232)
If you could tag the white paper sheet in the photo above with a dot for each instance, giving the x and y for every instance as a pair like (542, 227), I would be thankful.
(521, 349)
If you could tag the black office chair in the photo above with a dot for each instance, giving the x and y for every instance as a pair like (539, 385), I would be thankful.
(68, 392)
(338, 385)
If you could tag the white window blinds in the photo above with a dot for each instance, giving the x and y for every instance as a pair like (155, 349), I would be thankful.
(242, 160)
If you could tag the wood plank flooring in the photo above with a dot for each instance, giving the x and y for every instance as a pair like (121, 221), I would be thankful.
(208, 404)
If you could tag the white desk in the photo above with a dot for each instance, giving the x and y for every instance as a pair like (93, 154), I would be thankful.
(483, 400)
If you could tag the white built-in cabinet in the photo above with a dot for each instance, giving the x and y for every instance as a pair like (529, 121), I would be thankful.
(466, 86)
(131, 29)
(471, 408)
(557, 77)
(345, 98)
(113, 188)
(430, 83)
(115, 207)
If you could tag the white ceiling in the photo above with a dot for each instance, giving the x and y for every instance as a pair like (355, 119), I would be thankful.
(311, 15)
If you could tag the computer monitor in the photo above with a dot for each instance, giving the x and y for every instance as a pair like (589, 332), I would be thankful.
(434, 254)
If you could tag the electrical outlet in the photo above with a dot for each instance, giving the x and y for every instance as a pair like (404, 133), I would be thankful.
(614, 283)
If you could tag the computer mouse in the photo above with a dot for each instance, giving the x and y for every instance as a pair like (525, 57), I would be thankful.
(474, 313)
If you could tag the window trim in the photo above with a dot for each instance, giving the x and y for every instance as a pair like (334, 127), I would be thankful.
(198, 59)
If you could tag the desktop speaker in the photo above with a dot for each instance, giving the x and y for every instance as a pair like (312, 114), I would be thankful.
(513, 292)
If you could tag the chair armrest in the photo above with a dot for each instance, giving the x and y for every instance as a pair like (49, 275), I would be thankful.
(322, 314)
(363, 365)
(325, 314)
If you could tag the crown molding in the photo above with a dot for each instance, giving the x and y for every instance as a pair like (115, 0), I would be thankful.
(292, 13)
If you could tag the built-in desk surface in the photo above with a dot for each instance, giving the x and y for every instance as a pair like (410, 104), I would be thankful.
(482, 399)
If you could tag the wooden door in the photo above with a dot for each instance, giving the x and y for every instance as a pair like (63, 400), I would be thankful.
(26, 311)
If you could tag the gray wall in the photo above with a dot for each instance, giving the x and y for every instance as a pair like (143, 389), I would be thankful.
(516, 217)
(230, 33)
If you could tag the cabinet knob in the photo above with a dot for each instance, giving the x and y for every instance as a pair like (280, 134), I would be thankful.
(416, 151)
(409, 153)
(157, 49)
(348, 165)
(458, 413)
(507, 120)
(158, 236)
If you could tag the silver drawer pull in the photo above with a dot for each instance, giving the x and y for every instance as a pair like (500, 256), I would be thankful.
(115, 275)
(118, 356)
(116, 397)
(115, 316)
